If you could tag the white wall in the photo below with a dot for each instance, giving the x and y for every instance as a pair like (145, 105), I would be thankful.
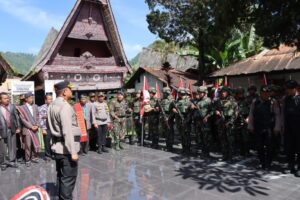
(257, 79)
(151, 82)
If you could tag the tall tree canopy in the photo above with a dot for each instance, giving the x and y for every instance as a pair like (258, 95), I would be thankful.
(276, 21)
(208, 24)
(205, 24)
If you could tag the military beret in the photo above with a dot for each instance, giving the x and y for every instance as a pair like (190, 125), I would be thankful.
(239, 90)
(152, 90)
(29, 94)
(92, 94)
(252, 87)
(265, 88)
(83, 96)
(225, 88)
(63, 85)
(202, 89)
(166, 90)
(120, 92)
(181, 90)
(138, 92)
(101, 94)
(22, 97)
(291, 84)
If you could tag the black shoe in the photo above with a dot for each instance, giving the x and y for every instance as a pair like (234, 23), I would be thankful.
(297, 173)
(36, 160)
(13, 165)
(3, 167)
(104, 149)
(28, 164)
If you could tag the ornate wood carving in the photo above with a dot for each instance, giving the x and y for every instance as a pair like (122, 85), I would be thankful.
(75, 61)
(89, 24)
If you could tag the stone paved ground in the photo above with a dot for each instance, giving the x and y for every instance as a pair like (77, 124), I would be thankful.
(143, 173)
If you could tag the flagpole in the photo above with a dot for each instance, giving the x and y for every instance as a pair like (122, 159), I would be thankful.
(142, 139)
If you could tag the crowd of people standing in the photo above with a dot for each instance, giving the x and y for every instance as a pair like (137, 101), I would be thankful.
(229, 122)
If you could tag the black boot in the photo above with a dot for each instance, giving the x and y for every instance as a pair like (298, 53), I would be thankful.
(104, 149)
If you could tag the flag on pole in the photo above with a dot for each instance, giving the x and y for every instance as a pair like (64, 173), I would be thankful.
(174, 93)
(225, 81)
(216, 86)
(264, 81)
(181, 83)
(157, 91)
(191, 89)
(146, 96)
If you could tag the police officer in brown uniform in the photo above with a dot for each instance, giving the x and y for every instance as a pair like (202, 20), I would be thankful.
(65, 131)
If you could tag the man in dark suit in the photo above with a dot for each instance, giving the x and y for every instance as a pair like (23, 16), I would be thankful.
(29, 115)
(9, 127)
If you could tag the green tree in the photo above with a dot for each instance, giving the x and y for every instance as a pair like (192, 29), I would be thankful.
(276, 21)
(203, 24)
(240, 46)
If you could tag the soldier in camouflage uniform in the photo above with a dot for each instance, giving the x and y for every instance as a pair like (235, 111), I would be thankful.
(224, 109)
(195, 118)
(152, 116)
(118, 110)
(165, 119)
(180, 109)
(130, 130)
(204, 108)
(136, 105)
(252, 94)
(241, 122)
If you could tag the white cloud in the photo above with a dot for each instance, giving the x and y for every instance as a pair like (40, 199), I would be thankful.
(35, 16)
(132, 50)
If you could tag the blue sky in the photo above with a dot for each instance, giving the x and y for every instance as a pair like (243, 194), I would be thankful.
(25, 23)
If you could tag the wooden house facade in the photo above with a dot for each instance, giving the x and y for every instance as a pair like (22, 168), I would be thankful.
(87, 51)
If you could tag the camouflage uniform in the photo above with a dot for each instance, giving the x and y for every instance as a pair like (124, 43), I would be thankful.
(130, 132)
(136, 105)
(240, 124)
(166, 121)
(227, 107)
(204, 107)
(153, 119)
(182, 105)
(118, 111)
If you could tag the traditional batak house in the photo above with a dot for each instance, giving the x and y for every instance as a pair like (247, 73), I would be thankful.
(86, 51)
(273, 66)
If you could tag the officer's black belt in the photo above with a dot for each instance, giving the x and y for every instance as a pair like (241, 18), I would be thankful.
(61, 139)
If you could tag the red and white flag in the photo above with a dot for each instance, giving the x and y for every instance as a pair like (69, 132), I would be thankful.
(146, 96)
(225, 81)
(181, 83)
(265, 80)
(216, 93)
(158, 95)
(191, 89)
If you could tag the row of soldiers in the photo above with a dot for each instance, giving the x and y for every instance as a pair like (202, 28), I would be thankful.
(231, 121)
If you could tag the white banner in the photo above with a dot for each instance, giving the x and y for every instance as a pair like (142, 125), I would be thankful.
(22, 87)
(49, 87)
